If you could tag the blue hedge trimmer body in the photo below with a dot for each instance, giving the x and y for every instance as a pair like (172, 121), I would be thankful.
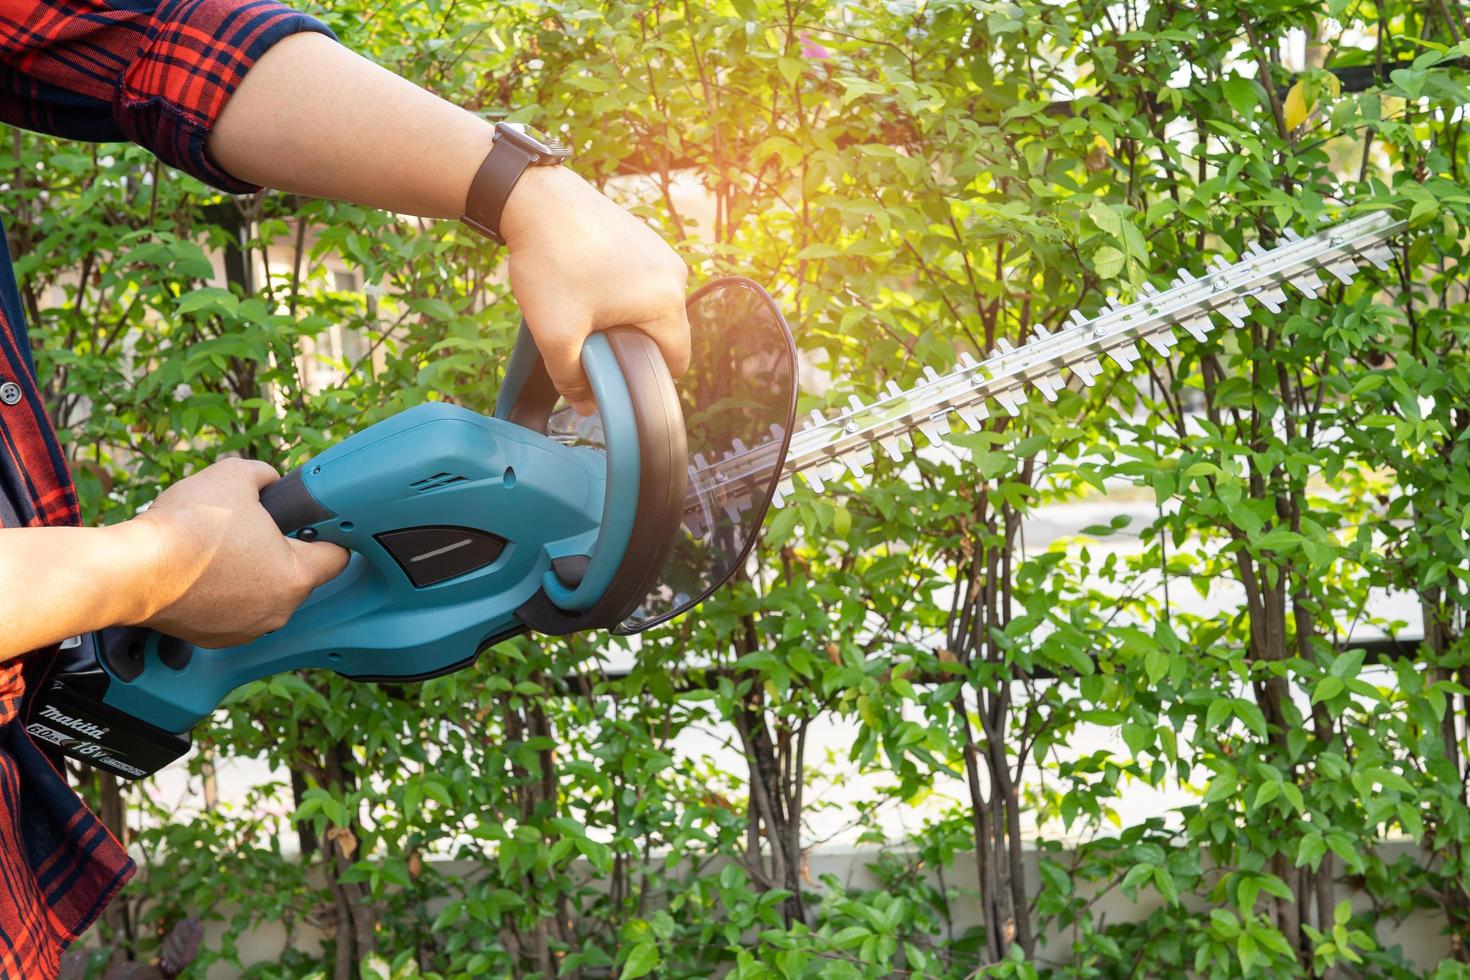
(465, 530)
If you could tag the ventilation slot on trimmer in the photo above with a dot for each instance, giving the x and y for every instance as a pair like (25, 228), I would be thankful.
(436, 482)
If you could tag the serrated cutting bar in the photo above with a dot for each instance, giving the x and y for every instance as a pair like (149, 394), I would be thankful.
(828, 448)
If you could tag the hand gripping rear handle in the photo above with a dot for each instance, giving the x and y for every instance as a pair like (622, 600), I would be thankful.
(291, 505)
(647, 473)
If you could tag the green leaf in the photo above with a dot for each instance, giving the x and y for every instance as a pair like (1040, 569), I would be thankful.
(1245, 948)
(208, 297)
(642, 958)
(1107, 262)
(587, 83)
(1253, 717)
(1221, 787)
(1311, 850)
(1328, 688)
(1241, 93)
(1106, 219)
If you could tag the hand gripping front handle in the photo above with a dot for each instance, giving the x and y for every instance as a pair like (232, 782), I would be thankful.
(647, 471)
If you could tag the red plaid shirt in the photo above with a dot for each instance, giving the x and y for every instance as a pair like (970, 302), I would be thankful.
(156, 72)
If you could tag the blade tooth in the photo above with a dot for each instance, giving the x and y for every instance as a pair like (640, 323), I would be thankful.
(1291, 235)
(1011, 400)
(1255, 248)
(1114, 303)
(739, 445)
(1048, 385)
(784, 489)
(1220, 263)
(968, 362)
(1041, 332)
(835, 470)
(892, 390)
(816, 419)
(1344, 269)
(858, 460)
(733, 509)
(1307, 283)
(1272, 298)
(893, 446)
(1086, 370)
(1150, 289)
(1198, 327)
(1125, 356)
(1077, 319)
(1161, 341)
(778, 431)
(695, 523)
(930, 374)
(1379, 255)
(1184, 277)
(973, 415)
(700, 461)
(935, 426)
(855, 404)
(1235, 312)
(814, 479)
(1005, 346)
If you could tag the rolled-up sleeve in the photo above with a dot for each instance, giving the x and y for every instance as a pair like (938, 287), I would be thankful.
(156, 73)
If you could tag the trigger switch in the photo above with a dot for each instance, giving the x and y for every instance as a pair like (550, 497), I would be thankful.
(571, 569)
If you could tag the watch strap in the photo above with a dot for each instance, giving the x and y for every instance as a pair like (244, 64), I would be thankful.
(496, 178)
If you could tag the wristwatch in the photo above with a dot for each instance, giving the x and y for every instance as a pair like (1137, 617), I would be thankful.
(516, 146)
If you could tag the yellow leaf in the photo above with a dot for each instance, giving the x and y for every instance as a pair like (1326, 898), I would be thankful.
(344, 839)
(1296, 107)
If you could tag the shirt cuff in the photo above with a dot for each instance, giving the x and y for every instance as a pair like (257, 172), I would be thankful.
(192, 57)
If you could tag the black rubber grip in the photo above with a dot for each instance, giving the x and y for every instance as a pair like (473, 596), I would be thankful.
(291, 505)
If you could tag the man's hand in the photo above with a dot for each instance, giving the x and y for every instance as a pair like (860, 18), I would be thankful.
(227, 574)
(579, 263)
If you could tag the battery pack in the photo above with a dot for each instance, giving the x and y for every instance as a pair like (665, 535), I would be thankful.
(68, 711)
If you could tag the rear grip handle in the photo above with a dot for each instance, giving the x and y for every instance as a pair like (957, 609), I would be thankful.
(618, 407)
(291, 504)
(635, 407)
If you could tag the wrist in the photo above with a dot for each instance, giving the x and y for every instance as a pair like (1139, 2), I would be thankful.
(536, 198)
(139, 547)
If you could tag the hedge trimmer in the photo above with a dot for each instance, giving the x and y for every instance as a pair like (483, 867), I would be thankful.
(467, 530)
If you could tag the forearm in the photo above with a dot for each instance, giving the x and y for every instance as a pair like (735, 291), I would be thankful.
(57, 582)
(314, 118)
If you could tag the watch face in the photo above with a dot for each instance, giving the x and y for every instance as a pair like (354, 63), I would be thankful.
(533, 139)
